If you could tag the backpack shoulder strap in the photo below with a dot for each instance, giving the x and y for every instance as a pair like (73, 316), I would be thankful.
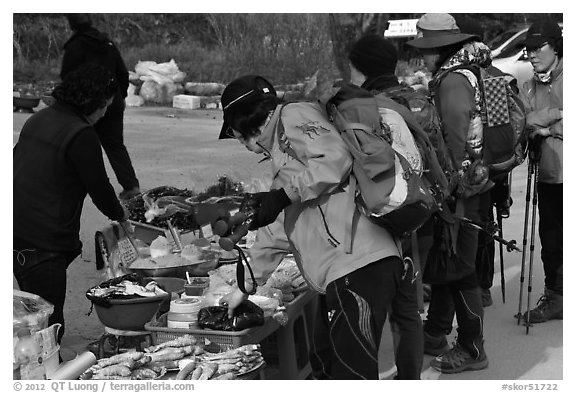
(350, 224)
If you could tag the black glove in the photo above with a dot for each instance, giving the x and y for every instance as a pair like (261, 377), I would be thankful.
(269, 205)
(501, 198)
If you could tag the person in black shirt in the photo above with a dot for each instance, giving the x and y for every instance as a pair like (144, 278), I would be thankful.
(57, 161)
(87, 44)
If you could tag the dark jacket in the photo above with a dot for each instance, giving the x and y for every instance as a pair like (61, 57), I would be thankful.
(380, 83)
(92, 46)
(57, 162)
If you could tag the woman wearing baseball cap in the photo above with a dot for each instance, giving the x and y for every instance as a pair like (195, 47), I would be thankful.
(444, 49)
(310, 212)
(542, 96)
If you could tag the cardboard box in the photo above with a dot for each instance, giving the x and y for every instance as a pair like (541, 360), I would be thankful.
(184, 101)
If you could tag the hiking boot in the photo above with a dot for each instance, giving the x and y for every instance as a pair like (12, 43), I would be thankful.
(129, 194)
(548, 307)
(486, 297)
(457, 360)
(435, 345)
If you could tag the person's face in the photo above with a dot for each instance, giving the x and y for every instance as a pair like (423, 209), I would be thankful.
(250, 143)
(542, 58)
(430, 57)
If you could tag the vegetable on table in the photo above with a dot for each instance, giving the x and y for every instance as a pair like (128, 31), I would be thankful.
(113, 370)
(181, 341)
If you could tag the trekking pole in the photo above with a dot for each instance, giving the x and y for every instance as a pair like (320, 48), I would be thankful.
(536, 153)
(510, 244)
(499, 217)
(502, 280)
(525, 236)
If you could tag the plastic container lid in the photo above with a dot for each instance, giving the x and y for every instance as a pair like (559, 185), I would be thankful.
(187, 305)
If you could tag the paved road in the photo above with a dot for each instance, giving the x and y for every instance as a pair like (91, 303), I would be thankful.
(174, 147)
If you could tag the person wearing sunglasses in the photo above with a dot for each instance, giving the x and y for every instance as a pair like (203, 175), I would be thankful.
(542, 96)
(310, 212)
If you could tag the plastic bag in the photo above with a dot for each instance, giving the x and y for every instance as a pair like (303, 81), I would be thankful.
(129, 286)
(246, 315)
(160, 73)
(30, 310)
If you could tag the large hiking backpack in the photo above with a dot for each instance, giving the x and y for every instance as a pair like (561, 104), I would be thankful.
(503, 118)
(439, 176)
(423, 116)
(391, 192)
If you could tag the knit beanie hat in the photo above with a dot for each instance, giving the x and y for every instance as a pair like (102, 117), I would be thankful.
(373, 56)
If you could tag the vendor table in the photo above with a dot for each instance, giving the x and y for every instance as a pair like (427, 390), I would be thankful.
(286, 347)
(293, 341)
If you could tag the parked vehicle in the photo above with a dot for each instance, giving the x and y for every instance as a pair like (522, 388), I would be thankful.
(517, 65)
(507, 43)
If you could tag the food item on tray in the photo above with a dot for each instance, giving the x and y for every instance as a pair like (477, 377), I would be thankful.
(185, 221)
(128, 365)
(126, 289)
(137, 208)
(161, 255)
(208, 370)
(113, 370)
(153, 364)
(172, 260)
(160, 247)
(197, 254)
(144, 373)
(181, 341)
(168, 353)
(225, 365)
(186, 369)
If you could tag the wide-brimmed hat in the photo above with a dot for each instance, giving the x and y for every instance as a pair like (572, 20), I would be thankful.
(241, 91)
(541, 32)
(437, 30)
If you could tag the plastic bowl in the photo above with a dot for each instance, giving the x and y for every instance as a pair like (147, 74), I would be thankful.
(127, 314)
(25, 103)
(171, 284)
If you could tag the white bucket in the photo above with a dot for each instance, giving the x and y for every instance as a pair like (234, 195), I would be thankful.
(51, 362)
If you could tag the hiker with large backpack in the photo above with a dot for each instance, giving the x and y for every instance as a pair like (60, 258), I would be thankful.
(499, 198)
(311, 212)
(443, 48)
(373, 61)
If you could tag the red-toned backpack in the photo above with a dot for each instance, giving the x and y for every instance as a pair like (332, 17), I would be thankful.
(390, 193)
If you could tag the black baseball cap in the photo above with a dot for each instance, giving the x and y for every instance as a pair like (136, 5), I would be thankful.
(541, 32)
(244, 90)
